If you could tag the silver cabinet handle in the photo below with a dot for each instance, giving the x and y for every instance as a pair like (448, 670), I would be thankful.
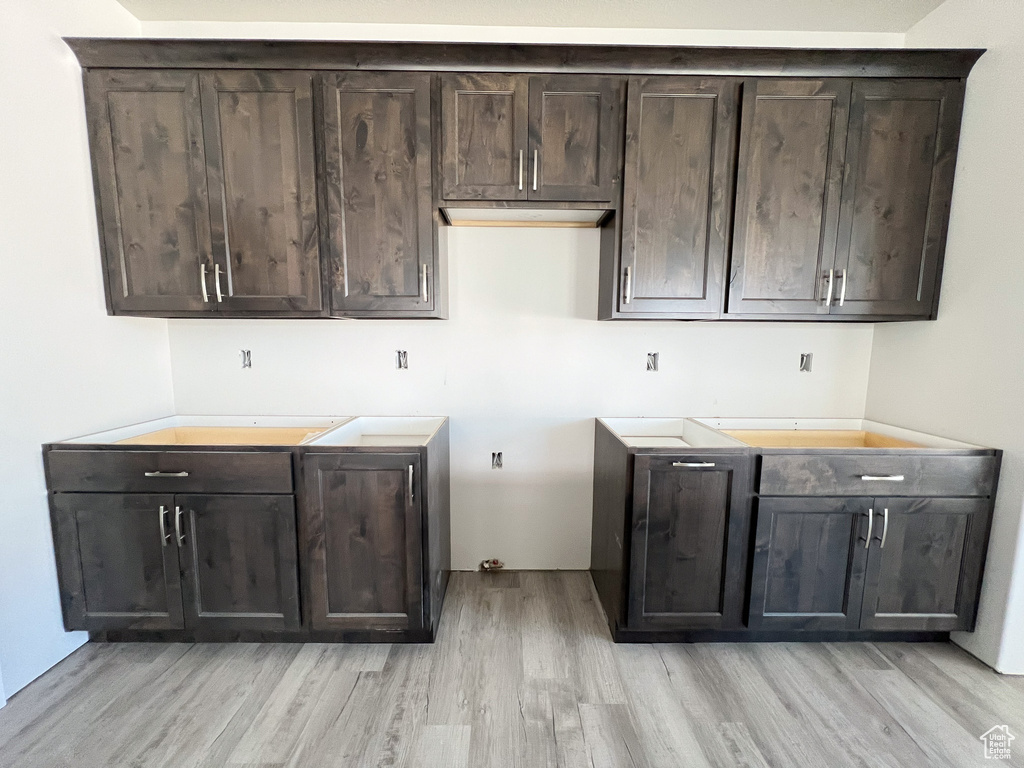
(871, 527)
(411, 498)
(216, 282)
(164, 535)
(694, 464)
(627, 287)
(177, 526)
(842, 290)
(884, 478)
(535, 170)
(202, 281)
(831, 280)
(166, 474)
(423, 288)
(885, 528)
(520, 170)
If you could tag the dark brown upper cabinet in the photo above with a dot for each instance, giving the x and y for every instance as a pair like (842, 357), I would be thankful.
(677, 195)
(519, 137)
(383, 224)
(206, 191)
(149, 169)
(788, 187)
(260, 168)
(900, 159)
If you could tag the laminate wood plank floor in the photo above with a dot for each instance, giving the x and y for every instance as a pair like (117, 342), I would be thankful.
(523, 674)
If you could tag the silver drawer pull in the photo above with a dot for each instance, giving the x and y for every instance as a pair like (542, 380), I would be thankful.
(871, 527)
(167, 474)
(884, 478)
(694, 464)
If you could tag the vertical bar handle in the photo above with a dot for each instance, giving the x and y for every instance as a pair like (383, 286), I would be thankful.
(520, 170)
(216, 282)
(831, 281)
(871, 527)
(535, 161)
(627, 286)
(164, 535)
(842, 290)
(885, 528)
(411, 497)
(424, 286)
(202, 281)
(178, 512)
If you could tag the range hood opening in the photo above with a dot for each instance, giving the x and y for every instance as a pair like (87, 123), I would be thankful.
(525, 217)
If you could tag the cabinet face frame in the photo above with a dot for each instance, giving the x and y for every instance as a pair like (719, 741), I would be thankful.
(859, 208)
(192, 212)
(300, 247)
(74, 575)
(277, 515)
(343, 203)
(754, 190)
(315, 466)
(723, 96)
(731, 548)
(969, 556)
(769, 512)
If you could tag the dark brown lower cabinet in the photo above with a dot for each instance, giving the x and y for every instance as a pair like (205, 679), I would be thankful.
(239, 561)
(161, 562)
(925, 566)
(117, 562)
(809, 561)
(365, 545)
(688, 558)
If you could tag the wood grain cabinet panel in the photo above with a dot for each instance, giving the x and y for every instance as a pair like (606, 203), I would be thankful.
(259, 139)
(239, 557)
(149, 168)
(678, 190)
(925, 564)
(366, 554)
(485, 136)
(901, 158)
(792, 149)
(688, 562)
(809, 561)
(383, 227)
(117, 562)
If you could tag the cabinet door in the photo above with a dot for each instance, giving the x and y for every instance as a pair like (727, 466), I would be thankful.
(901, 157)
(574, 151)
(485, 139)
(116, 561)
(382, 222)
(792, 147)
(690, 527)
(259, 138)
(365, 547)
(925, 564)
(149, 167)
(809, 560)
(678, 190)
(239, 559)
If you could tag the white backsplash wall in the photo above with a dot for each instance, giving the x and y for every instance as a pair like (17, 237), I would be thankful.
(522, 366)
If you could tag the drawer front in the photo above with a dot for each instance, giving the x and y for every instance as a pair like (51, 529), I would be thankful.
(846, 475)
(170, 471)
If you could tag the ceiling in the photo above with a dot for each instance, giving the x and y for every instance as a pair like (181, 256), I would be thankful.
(775, 15)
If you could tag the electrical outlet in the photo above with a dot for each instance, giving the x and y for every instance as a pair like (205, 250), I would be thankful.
(401, 359)
(652, 361)
(805, 362)
(496, 460)
(246, 356)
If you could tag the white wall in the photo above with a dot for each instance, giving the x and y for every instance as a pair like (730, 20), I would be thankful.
(67, 368)
(963, 375)
(522, 366)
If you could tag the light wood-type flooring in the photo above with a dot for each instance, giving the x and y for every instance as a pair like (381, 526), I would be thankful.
(524, 673)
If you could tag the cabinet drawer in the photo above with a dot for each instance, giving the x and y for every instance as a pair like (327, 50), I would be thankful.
(182, 471)
(843, 475)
